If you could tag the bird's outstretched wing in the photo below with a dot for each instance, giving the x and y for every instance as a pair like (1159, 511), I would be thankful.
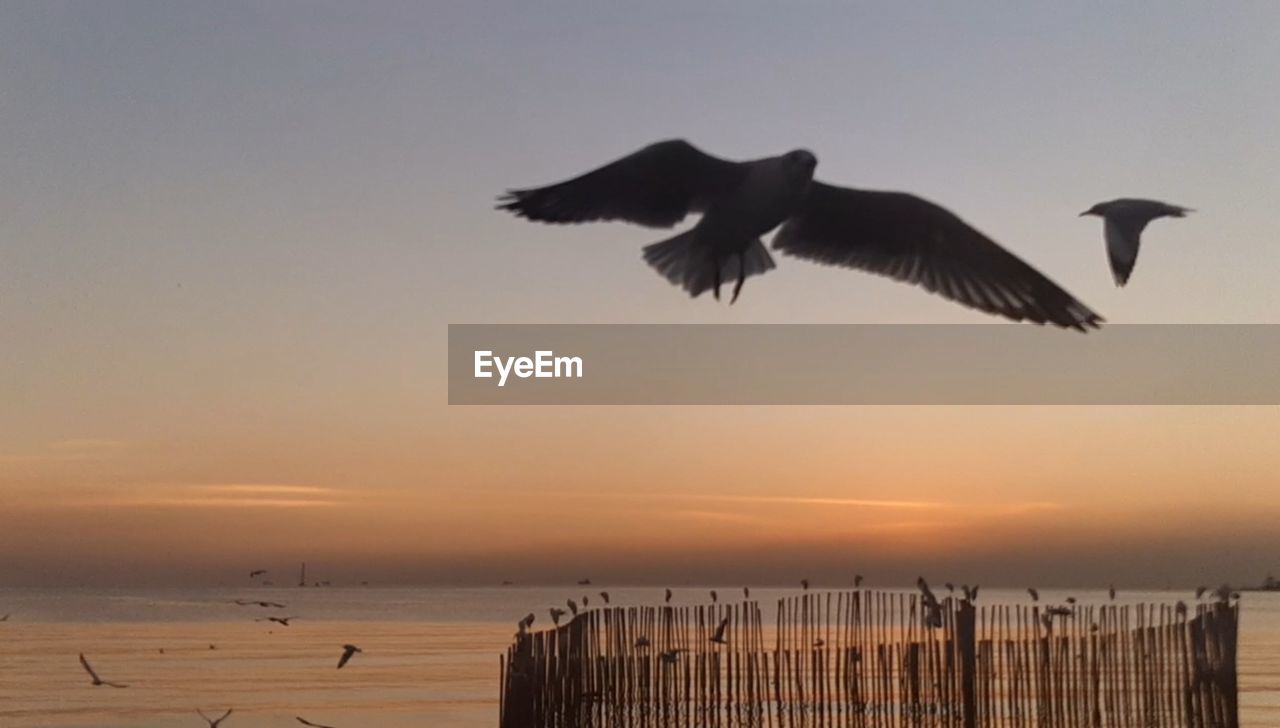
(656, 187)
(347, 652)
(304, 721)
(915, 241)
(87, 668)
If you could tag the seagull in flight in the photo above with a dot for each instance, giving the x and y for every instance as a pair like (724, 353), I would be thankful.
(893, 234)
(1123, 222)
(213, 723)
(247, 602)
(347, 652)
(804, 584)
(306, 722)
(718, 637)
(97, 680)
(283, 621)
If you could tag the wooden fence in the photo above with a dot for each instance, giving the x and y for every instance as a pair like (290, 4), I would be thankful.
(878, 659)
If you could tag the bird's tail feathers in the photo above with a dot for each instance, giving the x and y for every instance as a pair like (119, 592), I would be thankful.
(685, 263)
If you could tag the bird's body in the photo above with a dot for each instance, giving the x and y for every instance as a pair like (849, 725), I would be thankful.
(667, 599)
(605, 596)
(714, 597)
(556, 614)
(97, 681)
(347, 652)
(573, 606)
(1123, 222)
(213, 722)
(857, 580)
(718, 637)
(804, 584)
(892, 234)
(247, 602)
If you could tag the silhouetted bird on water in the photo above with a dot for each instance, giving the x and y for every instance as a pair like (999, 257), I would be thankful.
(718, 637)
(1035, 595)
(1123, 222)
(94, 676)
(213, 723)
(306, 722)
(349, 650)
(888, 233)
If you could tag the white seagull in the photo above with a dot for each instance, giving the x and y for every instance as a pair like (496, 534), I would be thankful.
(1123, 222)
(97, 680)
(894, 234)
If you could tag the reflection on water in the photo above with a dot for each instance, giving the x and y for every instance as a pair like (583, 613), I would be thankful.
(430, 655)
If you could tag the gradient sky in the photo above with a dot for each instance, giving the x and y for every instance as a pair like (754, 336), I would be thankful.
(232, 236)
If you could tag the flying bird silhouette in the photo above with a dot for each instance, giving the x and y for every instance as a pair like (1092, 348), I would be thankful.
(348, 651)
(893, 234)
(718, 637)
(1122, 223)
(283, 621)
(97, 680)
(304, 721)
(584, 582)
(213, 723)
(247, 602)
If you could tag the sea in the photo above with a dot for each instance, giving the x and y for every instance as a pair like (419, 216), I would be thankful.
(430, 655)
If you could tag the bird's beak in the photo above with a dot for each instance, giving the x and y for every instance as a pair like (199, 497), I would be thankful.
(1086, 212)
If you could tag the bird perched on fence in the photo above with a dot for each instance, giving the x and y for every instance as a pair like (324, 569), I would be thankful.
(1200, 590)
(970, 592)
(1071, 600)
(714, 597)
(668, 598)
(804, 584)
(857, 580)
(1123, 222)
(556, 614)
(573, 606)
(1111, 592)
(893, 234)
(605, 596)
(932, 609)
(746, 592)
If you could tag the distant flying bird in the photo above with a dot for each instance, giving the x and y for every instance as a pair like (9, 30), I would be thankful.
(857, 580)
(97, 680)
(213, 723)
(556, 614)
(573, 606)
(804, 584)
(1123, 222)
(605, 597)
(1111, 592)
(718, 637)
(257, 572)
(247, 602)
(304, 721)
(347, 652)
(887, 233)
(668, 600)
(1035, 595)
(670, 657)
(714, 597)
(283, 621)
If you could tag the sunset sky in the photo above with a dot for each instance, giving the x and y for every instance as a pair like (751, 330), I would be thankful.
(232, 237)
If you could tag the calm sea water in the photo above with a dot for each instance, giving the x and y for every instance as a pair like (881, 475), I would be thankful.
(431, 655)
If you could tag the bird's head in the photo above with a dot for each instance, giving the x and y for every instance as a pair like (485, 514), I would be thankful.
(801, 161)
(1098, 209)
